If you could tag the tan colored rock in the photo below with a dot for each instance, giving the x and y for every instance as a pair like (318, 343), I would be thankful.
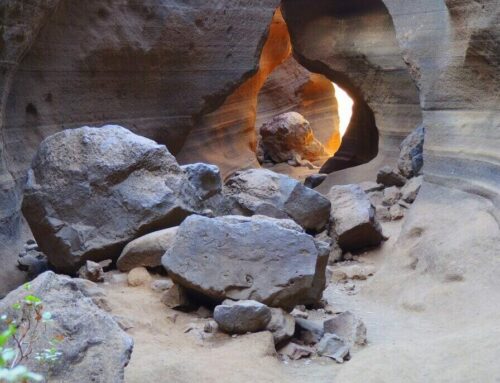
(138, 277)
(146, 251)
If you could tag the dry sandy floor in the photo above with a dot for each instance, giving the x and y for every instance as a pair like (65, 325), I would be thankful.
(418, 331)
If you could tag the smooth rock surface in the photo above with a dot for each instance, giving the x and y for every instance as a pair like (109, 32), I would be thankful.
(147, 250)
(264, 259)
(242, 316)
(353, 218)
(93, 346)
(92, 190)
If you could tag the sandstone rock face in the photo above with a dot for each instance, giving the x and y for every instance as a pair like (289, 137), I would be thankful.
(133, 184)
(344, 40)
(291, 87)
(147, 250)
(94, 348)
(261, 191)
(242, 316)
(259, 258)
(289, 135)
(353, 218)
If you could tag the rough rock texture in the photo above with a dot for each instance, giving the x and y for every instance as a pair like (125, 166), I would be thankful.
(242, 316)
(344, 40)
(411, 157)
(93, 346)
(261, 191)
(133, 184)
(147, 250)
(348, 327)
(334, 347)
(388, 176)
(281, 325)
(353, 218)
(259, 258)
(65, 64)
(410, 190)
(289, 135)
(291, 87)
(204, 178)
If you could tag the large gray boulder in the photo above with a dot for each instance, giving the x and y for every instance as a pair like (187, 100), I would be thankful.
(242, 316)
(353, 218)
(146, 251)
(93, 346)
(259, 258)
(92, 190)
(261, 191)
(411, 158)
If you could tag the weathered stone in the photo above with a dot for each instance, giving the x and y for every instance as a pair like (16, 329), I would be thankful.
(242, 316)
(348, 327)
(411, 189)
(295, 351)
(334, 347)
(93, 347)
(391, 196)
(353, 218)
(281, 325)
(177, 298)
(396, 212)
(411, 158)
(389, 177)
(204, 178)
(92, 271)
(160, 285)
(314, 180)
(309, 331)
(261, 191)
(370, 186)
(260, 258)
(288, 135)
(147, 250)
(92, 190)
(138, 276)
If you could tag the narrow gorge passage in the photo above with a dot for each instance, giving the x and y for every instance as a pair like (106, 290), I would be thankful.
(249, 191)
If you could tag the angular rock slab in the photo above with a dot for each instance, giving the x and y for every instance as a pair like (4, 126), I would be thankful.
(258, 258)
(353, 218)
(242, 316)
(147, 250)
(94, 348)
(92, 190)
(348, 327)
(411, 158)
(261, 191)
(282, 326)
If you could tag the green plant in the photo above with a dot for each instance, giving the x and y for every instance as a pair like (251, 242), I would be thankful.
(18, 339)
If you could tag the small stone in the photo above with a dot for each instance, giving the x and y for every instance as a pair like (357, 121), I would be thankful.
(309, 331)
(411, 189)
(138, 277)
(92, 271)
(211, 327)
(332, 346)
(297, 313)
(177, 298)
(282, 326)
(390, 177)
(370, 186)
(295, 351)
(348, 327)
(391, 196)
(242, 316)
(396, 212)
(160, 285)
(204, 178)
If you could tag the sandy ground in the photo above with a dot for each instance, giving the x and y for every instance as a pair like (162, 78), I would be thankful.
(432, 314)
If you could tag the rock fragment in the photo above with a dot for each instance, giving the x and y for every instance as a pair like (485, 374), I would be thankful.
(92, 271)
(389, 177)
(411, 189)
(204, 178)
(281, 325)
(138, 277)
(347, 326)
(411, 159)
(353, 218)
(332, 346)
(146, 251)
(242, 316)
